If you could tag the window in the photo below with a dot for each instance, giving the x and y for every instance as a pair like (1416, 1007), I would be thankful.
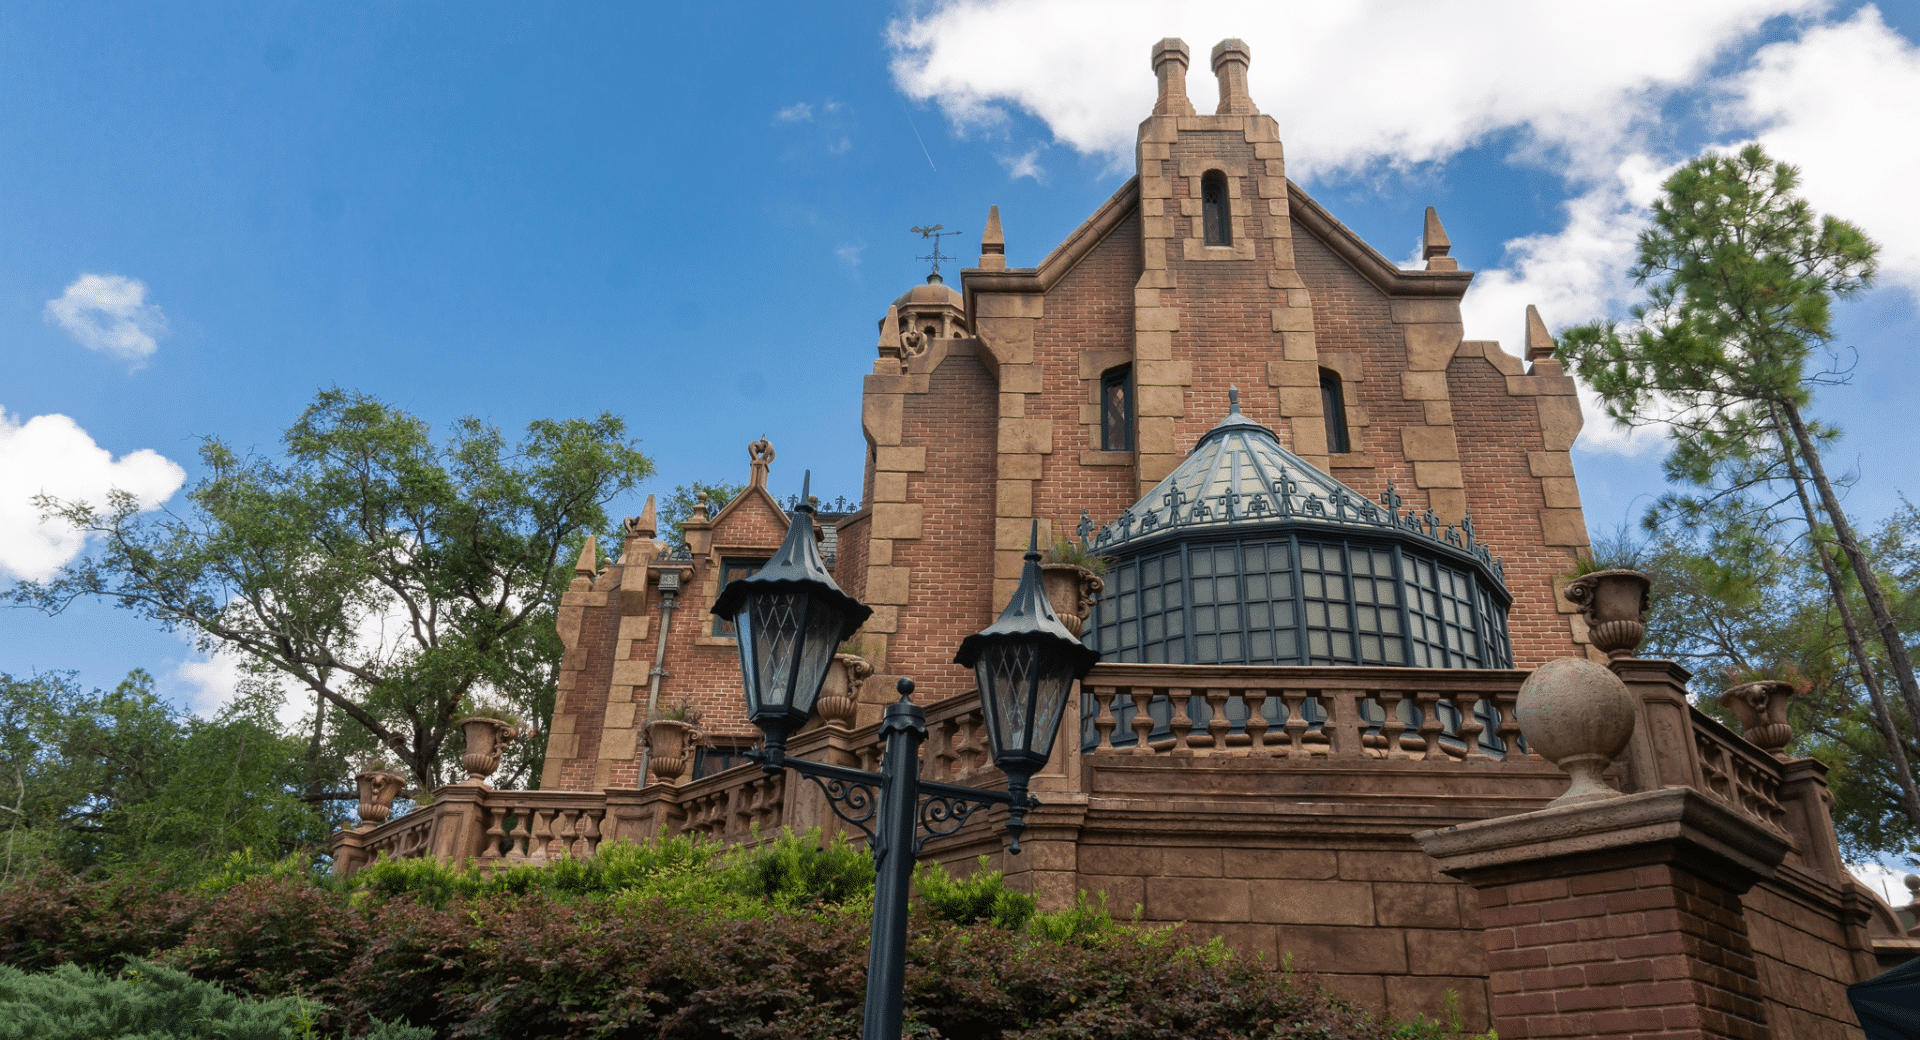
(730, 571)
(1333, 405)
(1116, 409)
(1216, 216)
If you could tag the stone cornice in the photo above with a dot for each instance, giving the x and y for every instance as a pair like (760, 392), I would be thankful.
(1366, 260)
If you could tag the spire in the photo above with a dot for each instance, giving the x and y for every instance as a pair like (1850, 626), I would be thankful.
(1434, 244)
(589, 563)
(993, 244)
(1540, 344)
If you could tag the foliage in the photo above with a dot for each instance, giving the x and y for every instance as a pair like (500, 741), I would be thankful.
(634, 942)
(1066, 550)
(114, 778)
(679, 506)
(149, 1002)
(398, 578)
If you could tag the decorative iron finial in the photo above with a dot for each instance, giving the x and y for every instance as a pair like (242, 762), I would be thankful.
(936, 234)
(1233, 399)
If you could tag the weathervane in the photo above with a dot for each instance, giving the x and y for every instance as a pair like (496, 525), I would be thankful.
(936, 234)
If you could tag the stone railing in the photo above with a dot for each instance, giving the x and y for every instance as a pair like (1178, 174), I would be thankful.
(403, 837)
(471, 823)
(1736, 773)
(1298, 713)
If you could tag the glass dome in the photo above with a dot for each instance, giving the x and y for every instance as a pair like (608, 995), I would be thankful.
(1245, 554)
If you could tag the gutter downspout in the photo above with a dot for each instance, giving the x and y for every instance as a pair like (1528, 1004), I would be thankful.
(669, 597)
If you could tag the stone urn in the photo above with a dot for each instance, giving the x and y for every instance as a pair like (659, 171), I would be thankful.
(670, 744)
(1578, 715)
(1071, 589)
(1761, 708)
(485, 737)
(378, 789)
(1615, 604)
(840, 694)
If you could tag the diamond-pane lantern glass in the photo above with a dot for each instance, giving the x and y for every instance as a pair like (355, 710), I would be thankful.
(787, 641)
(1026, 693)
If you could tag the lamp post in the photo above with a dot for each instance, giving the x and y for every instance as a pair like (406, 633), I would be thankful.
(790, 617)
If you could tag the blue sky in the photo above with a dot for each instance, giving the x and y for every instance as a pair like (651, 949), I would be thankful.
(693, 215)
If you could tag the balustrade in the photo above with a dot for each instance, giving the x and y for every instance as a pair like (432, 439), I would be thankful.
(1737, 774)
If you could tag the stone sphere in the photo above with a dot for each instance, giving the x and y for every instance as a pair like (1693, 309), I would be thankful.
(1577, 715)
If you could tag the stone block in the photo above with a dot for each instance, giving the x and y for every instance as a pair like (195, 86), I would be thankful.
(1408, 996)
(889, 487)
(1196, 899)
(1563, 527)
(887, 585)
(1011, 532)
(1153, 346)
(1163, 373)
(634, 627)
(1293, 319)
(1430, 347)
(619, 715)
(1349, 367)
(1269, 150)
(1020, 467)
(1156, 319)
(1009, 341)
(618, 744)
(1021, 379)
(1419, 310)
(897, 519)
(1311, 902)
(1123, 893)
(1385, 865)
(1285, 278)
(1560, 421)
(1156, 187)
(1158, 280)
(1159, 400)
(1146, 297)
(1415, 905)
(1429, 444)
(1550, 463)
(1293, 373)
(1010, 305)
(1013, 498)
(1272, 187)
(1156, 435)
(1298, 346)
(1026, 436)
(1310, 864)
(900, 459)
(1298, 401)
(879, 551)
(885, 619)
(880, 416)
(1439, 413)
(1449, 504)
(1328, 948)
(1437, 474)
(1013, 406)
(562, 745)
(1423, 386)
(1153, 254)
(1561, 492)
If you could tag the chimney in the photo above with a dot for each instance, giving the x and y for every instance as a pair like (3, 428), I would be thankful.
(1230, 58)
(993, 244)
(1434, 245)
(1170, 64)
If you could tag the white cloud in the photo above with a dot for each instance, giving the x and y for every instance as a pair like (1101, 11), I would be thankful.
(108, 313)
(1351, 85)
(849, 253)
(1839, 102)
(1890, 884)
(1026, 164)
(51, 454)
(798, 112)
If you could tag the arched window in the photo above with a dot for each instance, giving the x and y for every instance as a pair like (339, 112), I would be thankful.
(1333, 405)
(1116, 409)
(1216, 215)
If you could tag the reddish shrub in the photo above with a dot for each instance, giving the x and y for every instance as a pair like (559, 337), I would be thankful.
(54, 918)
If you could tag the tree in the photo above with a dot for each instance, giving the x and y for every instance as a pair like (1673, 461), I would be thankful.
(1741, 276)
(116, 777)
(679, 506)
(405, 583)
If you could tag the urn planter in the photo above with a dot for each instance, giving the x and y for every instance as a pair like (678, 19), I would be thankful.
(1071, 589)
(840, 694)
(378, 788)
(485, 737)
(1761, 708)
(670, 744)
(1615, 604)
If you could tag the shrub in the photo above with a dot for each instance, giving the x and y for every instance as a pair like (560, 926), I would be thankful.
(53, 917)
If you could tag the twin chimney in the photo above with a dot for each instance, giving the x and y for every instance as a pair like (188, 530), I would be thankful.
(1230, 59)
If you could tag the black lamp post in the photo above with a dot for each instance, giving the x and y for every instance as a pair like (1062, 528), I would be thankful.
(790, 617)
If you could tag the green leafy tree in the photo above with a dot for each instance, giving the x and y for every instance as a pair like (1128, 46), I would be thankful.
(400, 580)
(120, 777)
(1741, 276)
(679, 506)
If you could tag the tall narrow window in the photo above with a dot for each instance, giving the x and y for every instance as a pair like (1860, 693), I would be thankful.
(1333, 405)
(1116, 409)
(1215, 213)
(732, 570)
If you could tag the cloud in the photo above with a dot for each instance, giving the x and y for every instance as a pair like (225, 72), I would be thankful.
(1839, 103)
(1025, 165)
(51, 454)
(108, 313)
(1351, 85)
(798, 112)
(849, 253)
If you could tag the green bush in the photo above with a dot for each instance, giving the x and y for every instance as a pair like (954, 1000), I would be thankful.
(148, 1002)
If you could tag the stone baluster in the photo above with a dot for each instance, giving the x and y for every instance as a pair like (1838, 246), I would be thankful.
(1104, 722)
(1468, 704)
(1142, 719)
(1181, 724)
(1389, 701)
(1346, 725)
(1296, 724)
(520, 845)
(590, 830)
(1256, 702)
(1430, 726)
(496, 833)
(542, 834)
(1217, 723)
(1507, 725)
